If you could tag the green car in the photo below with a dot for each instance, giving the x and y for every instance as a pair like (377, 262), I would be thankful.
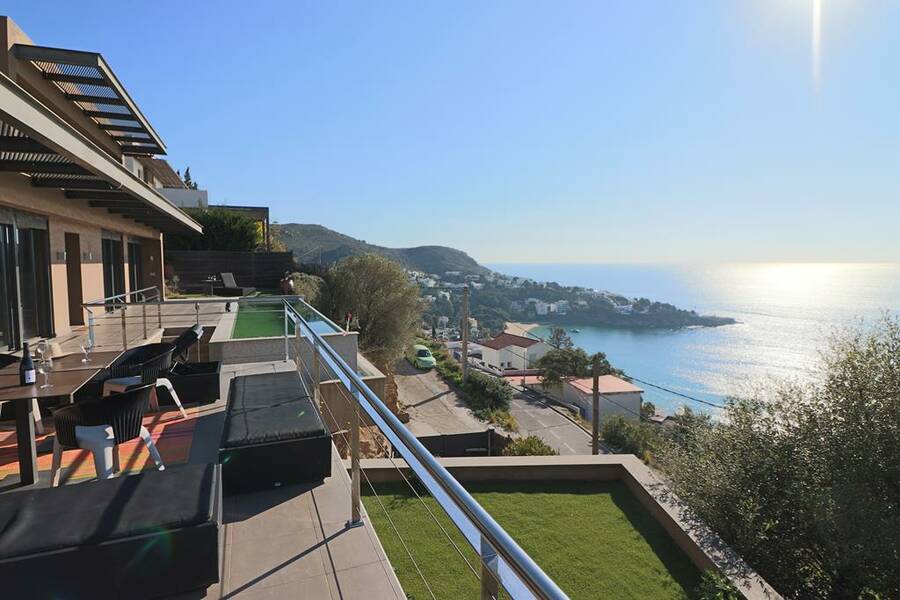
(422, 357)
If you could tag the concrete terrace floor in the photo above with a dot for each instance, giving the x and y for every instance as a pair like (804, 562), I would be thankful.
(290, 541)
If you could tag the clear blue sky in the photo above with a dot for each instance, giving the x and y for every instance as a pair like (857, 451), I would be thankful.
(638, 130)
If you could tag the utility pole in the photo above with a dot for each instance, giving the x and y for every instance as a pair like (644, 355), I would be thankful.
(595, 413)
(465, 334)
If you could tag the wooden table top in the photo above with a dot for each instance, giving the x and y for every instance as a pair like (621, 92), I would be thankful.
(72, 362)
(65, 383)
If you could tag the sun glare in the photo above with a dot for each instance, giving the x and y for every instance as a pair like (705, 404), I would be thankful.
(816, 43)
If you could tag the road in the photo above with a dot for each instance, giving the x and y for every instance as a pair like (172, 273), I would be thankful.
(536, 418)
(432, 406)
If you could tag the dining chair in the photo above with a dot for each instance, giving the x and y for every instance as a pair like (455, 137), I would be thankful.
(147, 364)
(100, 425)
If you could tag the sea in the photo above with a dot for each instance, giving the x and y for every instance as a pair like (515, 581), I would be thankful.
(785, 312)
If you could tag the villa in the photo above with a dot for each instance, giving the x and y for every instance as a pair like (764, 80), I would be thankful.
(242, 447)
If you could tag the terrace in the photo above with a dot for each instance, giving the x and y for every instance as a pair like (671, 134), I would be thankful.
(388, 527)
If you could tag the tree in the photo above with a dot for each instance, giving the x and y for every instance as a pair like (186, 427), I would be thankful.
(530, 445)
(385, 305)
(559, 338)
(308, 286)
(560, 363)
(188, 182)
(222, 230)
(804, 480)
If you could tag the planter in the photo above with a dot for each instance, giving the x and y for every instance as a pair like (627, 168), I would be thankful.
(195, 383)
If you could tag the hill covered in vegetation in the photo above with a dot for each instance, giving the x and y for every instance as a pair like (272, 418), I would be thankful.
(309, 242)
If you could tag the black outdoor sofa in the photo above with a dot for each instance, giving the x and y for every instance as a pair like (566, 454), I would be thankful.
(151, 535)
(230, 287)
(273, 434)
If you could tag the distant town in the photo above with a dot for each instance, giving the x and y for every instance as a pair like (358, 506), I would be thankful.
(496, 299)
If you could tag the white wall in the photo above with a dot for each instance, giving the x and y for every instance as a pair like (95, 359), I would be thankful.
(514, 357)
(627, 404)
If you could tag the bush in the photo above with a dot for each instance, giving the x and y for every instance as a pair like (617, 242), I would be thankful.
(487, 393)
(629, 436)
(715, 586)
(531, 445)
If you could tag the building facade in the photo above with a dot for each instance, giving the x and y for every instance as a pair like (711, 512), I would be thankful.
(617, 397)
(78, 219)
(513, 352)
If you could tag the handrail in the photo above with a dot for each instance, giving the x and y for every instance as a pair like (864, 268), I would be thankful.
(105, 301)
(514, 569)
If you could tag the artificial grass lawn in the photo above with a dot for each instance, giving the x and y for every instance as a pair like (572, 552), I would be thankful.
(260, 320)
(592, 538)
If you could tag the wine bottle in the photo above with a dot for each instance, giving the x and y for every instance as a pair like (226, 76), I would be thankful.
(27, 374)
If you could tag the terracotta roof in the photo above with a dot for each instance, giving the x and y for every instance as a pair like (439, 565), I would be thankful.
(609, 384)
(505, 340)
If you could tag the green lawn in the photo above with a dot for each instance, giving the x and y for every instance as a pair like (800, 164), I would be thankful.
(260, 320)
(594, 539)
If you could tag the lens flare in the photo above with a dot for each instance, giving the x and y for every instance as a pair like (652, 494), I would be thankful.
(816, 43)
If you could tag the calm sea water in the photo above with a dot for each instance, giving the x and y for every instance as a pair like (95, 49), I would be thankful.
(785, 313)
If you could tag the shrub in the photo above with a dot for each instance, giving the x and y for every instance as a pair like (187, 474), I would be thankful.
(715, 586)
(531, 445)
(630, 436)
(488, 393)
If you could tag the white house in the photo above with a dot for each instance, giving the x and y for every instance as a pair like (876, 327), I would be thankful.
(617, 397)
(508, 351)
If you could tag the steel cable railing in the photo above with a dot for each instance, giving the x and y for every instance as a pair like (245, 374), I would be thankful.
(352, 405)
(502, 556)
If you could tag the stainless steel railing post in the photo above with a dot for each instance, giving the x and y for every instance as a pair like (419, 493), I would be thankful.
(197, 313)
(144, 314)
(90, 314)
(287, 354)
(490, 588)
(316, 374)
(124, 329)
(159, 311)
(355, 514)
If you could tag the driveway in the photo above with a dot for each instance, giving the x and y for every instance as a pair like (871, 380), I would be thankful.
(432, 406)
(535, 417)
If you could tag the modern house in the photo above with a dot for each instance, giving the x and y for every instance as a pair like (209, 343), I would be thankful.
(509, 351)
(617, 397)
(78, 219)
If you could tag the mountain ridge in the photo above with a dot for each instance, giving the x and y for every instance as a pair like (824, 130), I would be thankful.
(310, 241)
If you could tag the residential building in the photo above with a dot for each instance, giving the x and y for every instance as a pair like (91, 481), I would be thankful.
(617, 397)
(561, 307)
(508, 351)
(78, 219)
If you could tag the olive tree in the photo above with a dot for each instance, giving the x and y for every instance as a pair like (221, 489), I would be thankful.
(804, 480)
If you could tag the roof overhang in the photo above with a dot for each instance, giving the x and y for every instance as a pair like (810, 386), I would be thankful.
(86, 80)
(35, 141)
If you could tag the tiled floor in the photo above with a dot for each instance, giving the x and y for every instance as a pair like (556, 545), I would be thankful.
(292, 541)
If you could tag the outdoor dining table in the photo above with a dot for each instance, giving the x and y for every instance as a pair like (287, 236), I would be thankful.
(65, 384)
(72, 362)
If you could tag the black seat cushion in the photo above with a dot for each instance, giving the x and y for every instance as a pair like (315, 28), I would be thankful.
(88, 513)
(269, 389)
(290, 420)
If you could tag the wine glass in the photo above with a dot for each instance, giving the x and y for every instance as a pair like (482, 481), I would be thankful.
(86, 348)
(41, 349)
(44, 366)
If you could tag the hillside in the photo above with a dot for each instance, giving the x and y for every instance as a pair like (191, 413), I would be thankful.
(308, 241)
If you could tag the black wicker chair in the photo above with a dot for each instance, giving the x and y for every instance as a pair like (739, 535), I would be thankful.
(184, 342)
(140, 366)
(100, 425)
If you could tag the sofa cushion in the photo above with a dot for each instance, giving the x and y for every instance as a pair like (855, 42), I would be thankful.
(92, 512)
(266, 389)
(289, 420)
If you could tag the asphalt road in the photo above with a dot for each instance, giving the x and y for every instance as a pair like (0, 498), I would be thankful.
(432, 406)
(536, 418)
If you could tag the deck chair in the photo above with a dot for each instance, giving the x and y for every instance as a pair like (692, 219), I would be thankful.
(230, 287)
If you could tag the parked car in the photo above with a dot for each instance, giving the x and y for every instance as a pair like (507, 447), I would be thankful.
(422, 357)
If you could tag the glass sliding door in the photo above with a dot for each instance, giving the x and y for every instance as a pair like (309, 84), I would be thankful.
(9, 304)
(113, 268)
(135, 276)
(34, 283)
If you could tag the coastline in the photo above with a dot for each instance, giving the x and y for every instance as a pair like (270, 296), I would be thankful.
(520, 329)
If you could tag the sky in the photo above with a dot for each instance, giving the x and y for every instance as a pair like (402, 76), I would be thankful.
(520, 131)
